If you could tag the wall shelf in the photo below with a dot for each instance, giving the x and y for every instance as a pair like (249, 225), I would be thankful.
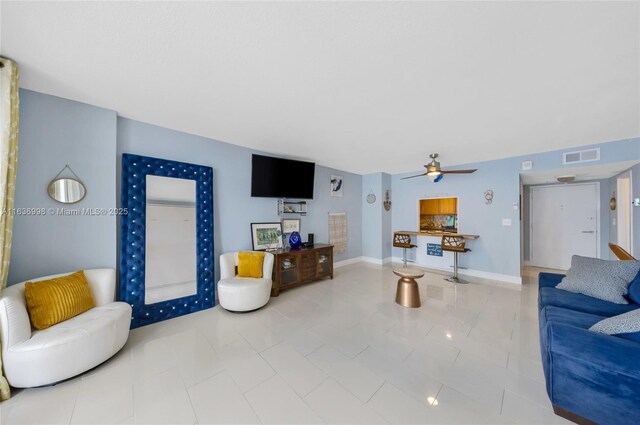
(292, 207)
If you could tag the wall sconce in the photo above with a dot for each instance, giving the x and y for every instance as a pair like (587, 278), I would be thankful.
(387, 200)
(488, 197)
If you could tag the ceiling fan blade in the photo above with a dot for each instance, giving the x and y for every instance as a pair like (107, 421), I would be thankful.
(410, 177)
(458, 171)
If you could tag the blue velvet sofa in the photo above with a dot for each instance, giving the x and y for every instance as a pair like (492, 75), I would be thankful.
(590, 377)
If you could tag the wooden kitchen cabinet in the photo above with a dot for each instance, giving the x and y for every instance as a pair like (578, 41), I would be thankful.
(448, 206)
(441, 206)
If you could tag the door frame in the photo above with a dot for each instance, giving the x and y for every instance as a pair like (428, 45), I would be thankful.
(598, 213)
(629, 202)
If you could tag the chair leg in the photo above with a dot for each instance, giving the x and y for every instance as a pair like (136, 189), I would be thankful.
(455, 278)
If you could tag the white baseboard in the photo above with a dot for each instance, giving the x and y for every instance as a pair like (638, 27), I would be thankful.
(373, 260)
(347, 262)
(515, 280)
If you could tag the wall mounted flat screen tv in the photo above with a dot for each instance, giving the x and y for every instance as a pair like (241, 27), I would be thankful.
(281, 178)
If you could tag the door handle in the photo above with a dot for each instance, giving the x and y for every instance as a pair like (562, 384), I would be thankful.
(588, 231)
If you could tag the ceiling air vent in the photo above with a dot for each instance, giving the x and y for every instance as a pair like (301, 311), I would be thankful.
(581, 156)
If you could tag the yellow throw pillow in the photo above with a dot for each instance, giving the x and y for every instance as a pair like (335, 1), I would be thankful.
(250, 264)
(56, 300)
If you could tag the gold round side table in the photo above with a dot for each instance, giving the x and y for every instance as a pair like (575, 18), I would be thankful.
(408, 293)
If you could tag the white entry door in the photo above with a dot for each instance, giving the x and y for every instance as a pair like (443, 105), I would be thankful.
(564, 222)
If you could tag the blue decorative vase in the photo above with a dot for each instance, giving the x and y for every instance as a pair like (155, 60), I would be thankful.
(294, 240)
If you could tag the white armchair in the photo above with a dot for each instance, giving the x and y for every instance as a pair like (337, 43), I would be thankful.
(33, 358)
(243, 293)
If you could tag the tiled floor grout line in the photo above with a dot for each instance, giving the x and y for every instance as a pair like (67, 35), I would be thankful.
(251, 406)
(376, 392)
(314, 388)
(361, 351)
(323, 345)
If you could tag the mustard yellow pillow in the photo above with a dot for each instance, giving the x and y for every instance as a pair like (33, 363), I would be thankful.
(250, 264)
(56, 300)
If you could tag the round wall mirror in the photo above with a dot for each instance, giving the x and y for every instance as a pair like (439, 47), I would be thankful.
(66, 190)
(371, 198)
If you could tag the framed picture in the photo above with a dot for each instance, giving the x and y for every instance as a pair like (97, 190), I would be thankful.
(336, 185)
(290, 225)
(266, 236)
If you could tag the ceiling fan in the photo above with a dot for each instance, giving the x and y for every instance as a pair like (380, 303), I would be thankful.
(435, 173)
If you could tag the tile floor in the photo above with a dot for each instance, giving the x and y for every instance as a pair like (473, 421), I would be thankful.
(336, 351)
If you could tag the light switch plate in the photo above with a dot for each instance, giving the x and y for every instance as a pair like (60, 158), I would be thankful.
(506, 222)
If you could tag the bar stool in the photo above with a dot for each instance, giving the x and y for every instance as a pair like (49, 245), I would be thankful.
(403, 240)
(456, 245)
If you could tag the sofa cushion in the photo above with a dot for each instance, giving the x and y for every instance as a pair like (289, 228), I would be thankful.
(568, 317)
(579, 302)
(243, 294)
(634, 289)
(549, 280)
(552, 314)
(55, 300)
(626, 325)
(602, 279)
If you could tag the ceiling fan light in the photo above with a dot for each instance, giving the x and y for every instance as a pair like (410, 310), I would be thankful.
(432, 170)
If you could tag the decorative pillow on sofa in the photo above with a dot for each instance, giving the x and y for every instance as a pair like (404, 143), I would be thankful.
(634, 289)
(625, 325)
(55, 300)
(602, 279)
(250, 264)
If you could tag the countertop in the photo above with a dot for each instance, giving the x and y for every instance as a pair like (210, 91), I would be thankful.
(436, 233)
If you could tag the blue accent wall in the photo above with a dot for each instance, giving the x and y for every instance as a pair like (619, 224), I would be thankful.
(54, 132)
(234, 209)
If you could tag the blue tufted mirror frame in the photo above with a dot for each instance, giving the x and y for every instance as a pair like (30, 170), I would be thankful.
(135, 169)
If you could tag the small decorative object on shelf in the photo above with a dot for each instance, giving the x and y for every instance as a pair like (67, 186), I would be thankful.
(295, 240)
(292, 207)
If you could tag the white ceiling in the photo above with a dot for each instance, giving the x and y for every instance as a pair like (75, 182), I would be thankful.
(360, 86)
(583, 173)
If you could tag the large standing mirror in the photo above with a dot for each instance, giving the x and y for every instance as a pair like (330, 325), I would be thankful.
(170, 242)
(166, 259)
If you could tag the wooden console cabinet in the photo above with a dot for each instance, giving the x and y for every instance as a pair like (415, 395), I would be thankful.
(294, 267)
